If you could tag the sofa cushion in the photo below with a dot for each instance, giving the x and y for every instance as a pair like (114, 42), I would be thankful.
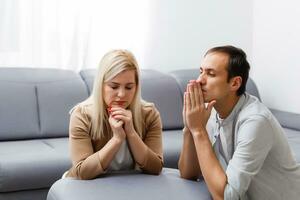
(32, 164)
(183, 76)
(130, 186)
(35, 103)
(158, 88)
(18, 110)
(172, 144)
(287, 119)
(162, 90)
(55, 100)
(251, 88)
(38, 194)
(88, 76)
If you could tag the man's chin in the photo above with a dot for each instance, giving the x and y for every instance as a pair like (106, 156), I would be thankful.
(207, 99)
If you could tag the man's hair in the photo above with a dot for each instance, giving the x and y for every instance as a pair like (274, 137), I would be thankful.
(237, 64)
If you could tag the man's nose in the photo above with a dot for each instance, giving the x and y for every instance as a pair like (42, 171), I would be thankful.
(201, 78)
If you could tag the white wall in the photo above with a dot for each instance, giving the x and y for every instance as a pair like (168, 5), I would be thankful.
(174, 34)
(181, 31)
(276, 50)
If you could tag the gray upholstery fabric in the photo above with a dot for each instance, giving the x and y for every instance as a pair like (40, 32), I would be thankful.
(18, 110)
(88, 75)
(35, 102)
(32, 164)
(252, 89)
(40, 194)
(158, 88)
(162, 90)
(172, 144)
(55, 100)
(287, 119)
(129, 186)
(183, 76)
(34, 106)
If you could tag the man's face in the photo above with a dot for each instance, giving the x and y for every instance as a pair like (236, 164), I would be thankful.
(213, 76)
(119, 91)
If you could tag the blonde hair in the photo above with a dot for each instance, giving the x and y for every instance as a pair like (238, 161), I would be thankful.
(112, 64)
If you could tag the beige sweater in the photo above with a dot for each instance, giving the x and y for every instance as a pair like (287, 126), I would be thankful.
(83, 148)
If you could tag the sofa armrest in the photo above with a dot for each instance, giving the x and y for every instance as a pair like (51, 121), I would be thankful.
(287, 119)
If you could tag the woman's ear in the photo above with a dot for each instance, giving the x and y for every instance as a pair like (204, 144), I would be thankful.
(236, 83)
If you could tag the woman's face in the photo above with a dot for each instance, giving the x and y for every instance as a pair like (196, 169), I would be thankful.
(119, 91)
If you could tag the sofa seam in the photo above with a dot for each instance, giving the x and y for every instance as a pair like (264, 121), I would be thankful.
(85, 83)
(37, 108)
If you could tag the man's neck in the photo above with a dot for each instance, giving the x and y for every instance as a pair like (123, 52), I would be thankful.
(224, 107)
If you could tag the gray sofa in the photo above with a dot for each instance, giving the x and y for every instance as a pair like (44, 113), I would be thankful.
(34, 119)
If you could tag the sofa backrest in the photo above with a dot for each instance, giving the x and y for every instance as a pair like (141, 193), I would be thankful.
(34, 103)
(156, 87)
(287, 119)
(184, 75)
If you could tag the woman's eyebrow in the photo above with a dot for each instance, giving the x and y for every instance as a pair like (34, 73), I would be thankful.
(116, 83)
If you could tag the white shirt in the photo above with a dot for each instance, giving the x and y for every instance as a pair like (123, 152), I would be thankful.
(256, 155)
(122, 160)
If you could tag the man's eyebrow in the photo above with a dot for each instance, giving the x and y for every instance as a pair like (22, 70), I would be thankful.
(207, 69)
(210, 69)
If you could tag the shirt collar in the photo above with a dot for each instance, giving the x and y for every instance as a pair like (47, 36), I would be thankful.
(237, 108)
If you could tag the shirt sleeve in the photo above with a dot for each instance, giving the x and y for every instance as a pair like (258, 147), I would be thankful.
(255, 139)
(86, 162)
(153, 161)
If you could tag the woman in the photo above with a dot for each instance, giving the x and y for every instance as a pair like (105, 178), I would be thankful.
(114, 129)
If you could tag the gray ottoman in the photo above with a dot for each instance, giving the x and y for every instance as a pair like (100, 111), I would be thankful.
(130, 186)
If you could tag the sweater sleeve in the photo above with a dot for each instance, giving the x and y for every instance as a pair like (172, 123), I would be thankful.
(153, 162)
(86, 162)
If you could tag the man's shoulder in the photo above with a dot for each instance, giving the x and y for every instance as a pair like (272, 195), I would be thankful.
(256, 115)
(254, 109)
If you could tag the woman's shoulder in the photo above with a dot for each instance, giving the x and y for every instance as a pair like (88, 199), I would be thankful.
(149, 110)
(82, 109)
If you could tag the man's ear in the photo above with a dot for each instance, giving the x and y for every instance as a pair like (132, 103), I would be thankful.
(236, 83)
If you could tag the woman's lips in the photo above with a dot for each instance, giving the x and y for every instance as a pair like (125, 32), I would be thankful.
(120, 103)
(117, 103)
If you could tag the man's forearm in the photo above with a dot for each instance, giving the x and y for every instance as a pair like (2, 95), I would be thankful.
(188, 163)
(212, 170)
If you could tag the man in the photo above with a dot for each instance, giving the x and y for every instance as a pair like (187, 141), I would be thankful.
(238, 147)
